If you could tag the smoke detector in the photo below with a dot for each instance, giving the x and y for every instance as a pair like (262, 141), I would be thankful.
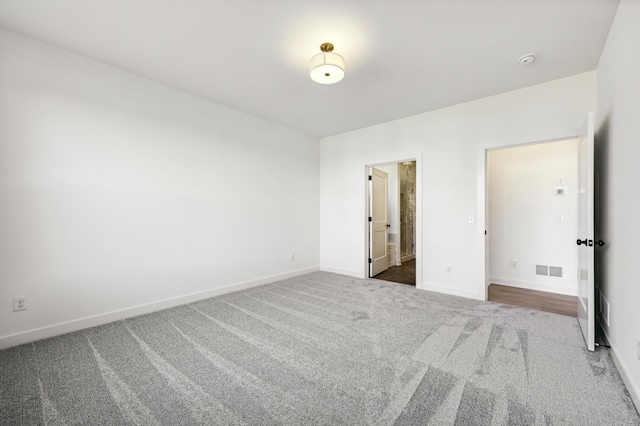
(527, 59)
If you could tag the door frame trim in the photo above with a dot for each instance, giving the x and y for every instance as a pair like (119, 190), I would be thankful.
(417, 157)
(483, 202)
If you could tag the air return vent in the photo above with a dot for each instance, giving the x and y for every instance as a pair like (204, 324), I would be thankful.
(542, 270)
(555, 271)
(551, 271)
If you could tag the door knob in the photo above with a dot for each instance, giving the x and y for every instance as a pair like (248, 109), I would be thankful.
(589, 243)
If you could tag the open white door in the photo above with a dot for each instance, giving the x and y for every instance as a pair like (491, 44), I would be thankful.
(378, 220)
(586, 285)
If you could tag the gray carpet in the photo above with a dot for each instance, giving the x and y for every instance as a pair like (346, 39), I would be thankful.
(319, 349)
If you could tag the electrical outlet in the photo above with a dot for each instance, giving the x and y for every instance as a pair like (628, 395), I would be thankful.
(449, 269)
(20, 303)
(293, 257)
(514, 264)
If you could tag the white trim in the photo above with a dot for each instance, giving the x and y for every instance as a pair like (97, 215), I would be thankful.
(356, 274)
(549, 288)
(632, 388)
(482, 225)
(482, 216)
(419, 218)
(450, 291)
(407, 258)
(95, 320)
(417, 157)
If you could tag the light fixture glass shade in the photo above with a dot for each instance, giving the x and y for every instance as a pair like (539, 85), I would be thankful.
(326, 68)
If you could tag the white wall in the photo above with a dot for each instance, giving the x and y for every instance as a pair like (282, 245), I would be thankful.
(617, 156)
(117, 192)
(523, 215)
(450, 147)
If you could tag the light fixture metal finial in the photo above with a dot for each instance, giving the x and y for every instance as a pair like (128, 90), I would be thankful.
(326, 47)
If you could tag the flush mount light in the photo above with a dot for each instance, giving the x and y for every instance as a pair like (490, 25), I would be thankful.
(527, 59)
(326, 67)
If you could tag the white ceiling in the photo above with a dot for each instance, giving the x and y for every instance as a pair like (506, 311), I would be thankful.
(403, 57)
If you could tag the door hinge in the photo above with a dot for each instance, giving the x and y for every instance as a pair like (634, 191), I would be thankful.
(370, 260)
(370, 177)
(369, 218)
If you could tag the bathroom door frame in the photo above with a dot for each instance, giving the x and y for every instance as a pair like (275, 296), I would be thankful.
(417, 157)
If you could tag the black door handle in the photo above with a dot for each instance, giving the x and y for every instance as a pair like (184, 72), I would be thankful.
(589, 243)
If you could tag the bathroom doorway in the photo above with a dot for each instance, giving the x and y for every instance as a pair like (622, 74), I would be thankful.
(401, 235)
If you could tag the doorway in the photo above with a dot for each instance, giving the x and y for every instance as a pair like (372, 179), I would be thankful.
(532, 220)
(400, 213)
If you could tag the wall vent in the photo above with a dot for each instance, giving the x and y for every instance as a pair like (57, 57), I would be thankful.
(542, 270)
(555, 271)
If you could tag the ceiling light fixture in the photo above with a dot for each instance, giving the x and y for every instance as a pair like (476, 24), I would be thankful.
(527, 59)
(326, 67)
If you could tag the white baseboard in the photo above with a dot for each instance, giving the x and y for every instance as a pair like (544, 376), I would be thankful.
(549, 288)
(95, 320)
(407, 258)
(438, 288)
(355, 274)
(632, 387)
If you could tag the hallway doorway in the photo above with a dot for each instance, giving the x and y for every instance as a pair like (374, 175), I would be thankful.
(532, 222)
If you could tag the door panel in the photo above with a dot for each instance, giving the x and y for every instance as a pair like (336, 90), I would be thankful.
(585, 237)
(378, 202)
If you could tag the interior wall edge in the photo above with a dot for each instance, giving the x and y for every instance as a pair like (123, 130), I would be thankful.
(46, 332)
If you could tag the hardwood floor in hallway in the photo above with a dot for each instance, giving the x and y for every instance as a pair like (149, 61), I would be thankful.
(405, 273)
(533, 299)
(525, 298)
